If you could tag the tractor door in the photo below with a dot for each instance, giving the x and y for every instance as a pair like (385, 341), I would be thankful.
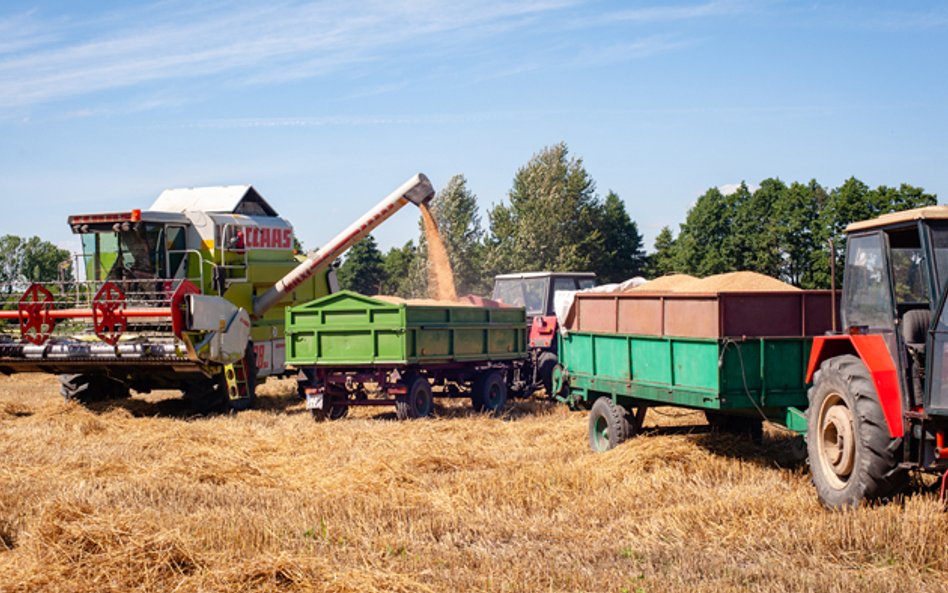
(936, 401)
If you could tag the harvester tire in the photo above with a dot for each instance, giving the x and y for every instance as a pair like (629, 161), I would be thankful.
(609, 425)
(489, 393)
(545, 365)
(86, 388)
(852, 457)
(418, 402)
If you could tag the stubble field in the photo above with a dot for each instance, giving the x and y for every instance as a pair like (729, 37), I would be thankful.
(143, 496)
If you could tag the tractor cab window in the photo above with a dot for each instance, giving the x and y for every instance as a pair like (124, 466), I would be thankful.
(563, 284)
(940, 246)
(586, 283)
(909, 270)
(530, 293)
(866, 298)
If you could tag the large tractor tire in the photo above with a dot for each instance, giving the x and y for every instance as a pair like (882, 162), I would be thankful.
(852, 457)
(418, 402)
(545, 365)
(88, 388)
(609, 425)
(489, 393)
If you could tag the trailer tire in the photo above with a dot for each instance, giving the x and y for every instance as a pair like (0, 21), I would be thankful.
(89, 388)
(852, 457)
(489, 393)
(609, 425)
(332, 413)
(418, 402)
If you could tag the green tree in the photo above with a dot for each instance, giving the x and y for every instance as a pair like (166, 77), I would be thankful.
(32, 260)
(704, 245)
(552, 219)
(363, 269)
(622, 255)
(797, 214)
(397, 266)
(663, 260)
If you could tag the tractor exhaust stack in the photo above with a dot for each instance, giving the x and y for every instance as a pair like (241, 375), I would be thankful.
(418, 190)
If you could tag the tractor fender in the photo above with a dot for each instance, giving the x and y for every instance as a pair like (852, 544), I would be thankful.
(874, 353)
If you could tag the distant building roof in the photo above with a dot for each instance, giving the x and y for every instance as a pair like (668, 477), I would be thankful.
(927, 212)
(230, 199)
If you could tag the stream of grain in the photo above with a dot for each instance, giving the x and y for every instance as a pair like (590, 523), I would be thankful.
(440, 274)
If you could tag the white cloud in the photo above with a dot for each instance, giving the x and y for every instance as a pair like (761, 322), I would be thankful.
(254, 44)
(730, 188)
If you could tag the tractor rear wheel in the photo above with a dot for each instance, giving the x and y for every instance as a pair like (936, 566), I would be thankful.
(852, 457)
(418, 402)
(609, 425)
(489, 393)
(88, 388)
(545, 365)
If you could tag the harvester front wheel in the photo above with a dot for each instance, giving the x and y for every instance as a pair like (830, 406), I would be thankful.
(608, 425)
(85, 388)
(418, 402)
(489, 393)
(852, 457)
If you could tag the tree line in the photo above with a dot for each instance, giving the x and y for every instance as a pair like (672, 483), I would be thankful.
(554, 220)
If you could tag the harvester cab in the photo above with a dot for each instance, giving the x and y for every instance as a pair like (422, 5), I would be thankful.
(535, 291)
(879, 402)
(187, 295)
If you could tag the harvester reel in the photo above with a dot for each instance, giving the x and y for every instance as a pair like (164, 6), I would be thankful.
(36, 324)
(108, 313)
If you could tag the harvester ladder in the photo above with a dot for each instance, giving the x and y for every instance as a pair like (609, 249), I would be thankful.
(235, 375)
(234, 267)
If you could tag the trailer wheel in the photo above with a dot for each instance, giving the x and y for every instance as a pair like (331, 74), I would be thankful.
(332, 413)
(852, 457)
(489, 393)
(418, 402)
(86, 388)
(608, 425)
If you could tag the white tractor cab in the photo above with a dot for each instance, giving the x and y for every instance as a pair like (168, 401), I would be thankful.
(535, 291)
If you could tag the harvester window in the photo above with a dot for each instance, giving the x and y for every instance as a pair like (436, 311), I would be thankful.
(176, 243)
(867, 301)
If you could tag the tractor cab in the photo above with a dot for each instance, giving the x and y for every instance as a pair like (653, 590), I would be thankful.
(895, 276)
(535, 290)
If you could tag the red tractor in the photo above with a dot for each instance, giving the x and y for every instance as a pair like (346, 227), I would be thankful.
(536, 292)
(879, 402)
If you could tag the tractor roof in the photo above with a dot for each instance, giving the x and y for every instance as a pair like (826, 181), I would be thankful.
(229, 199)
(524, 275)
(894, 218)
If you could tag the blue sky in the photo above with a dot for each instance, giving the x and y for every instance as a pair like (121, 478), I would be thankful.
(326, 106)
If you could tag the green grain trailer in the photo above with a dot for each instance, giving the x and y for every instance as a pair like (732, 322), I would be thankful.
(739, 357)
(359, 350)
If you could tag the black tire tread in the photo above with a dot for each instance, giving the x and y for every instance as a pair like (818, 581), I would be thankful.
(878, 473)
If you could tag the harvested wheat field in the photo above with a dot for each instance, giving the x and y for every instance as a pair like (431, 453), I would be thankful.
(140, 496)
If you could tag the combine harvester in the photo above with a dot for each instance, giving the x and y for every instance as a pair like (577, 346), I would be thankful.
(188, 295)
(871, 399)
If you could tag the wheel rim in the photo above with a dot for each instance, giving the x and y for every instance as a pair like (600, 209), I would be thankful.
(493, 395)
(421, 402)
(601, 434)
(557, 380)
(836, 441)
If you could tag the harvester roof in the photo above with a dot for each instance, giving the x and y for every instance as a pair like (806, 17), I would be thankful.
(229, 199)
(904, 216)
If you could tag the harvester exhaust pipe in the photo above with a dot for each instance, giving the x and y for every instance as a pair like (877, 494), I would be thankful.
(418, 190)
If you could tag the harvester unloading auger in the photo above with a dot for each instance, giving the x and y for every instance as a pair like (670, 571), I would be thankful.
(187, 295)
